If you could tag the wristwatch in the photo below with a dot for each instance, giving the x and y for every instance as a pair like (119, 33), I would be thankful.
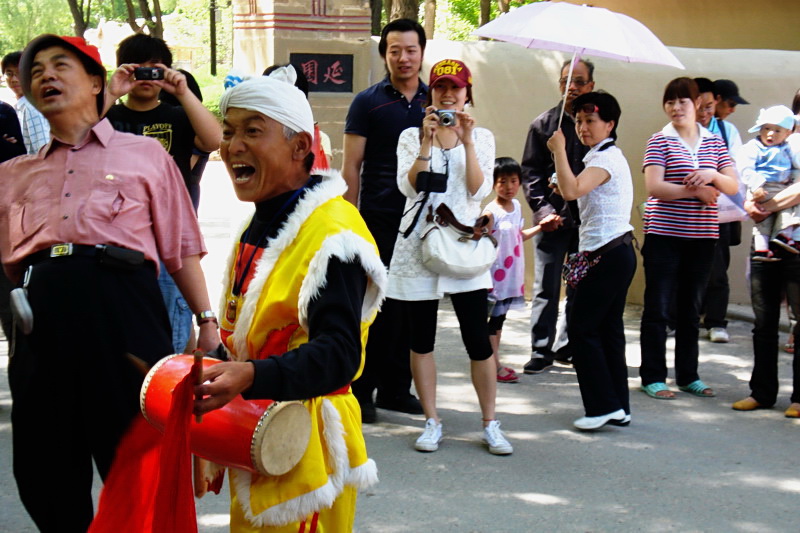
(206, 316)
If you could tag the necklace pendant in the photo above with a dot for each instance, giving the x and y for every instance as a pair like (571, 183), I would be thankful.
(231, 310)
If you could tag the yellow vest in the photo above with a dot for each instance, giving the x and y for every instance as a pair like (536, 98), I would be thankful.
(273, 313)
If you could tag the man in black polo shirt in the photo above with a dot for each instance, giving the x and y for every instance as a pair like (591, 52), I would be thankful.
(559, 237)
(374, 122)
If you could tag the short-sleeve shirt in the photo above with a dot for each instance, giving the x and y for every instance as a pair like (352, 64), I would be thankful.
(111, 188)
(684, 217)
(166, 123)
(381, 113)
(606, 210)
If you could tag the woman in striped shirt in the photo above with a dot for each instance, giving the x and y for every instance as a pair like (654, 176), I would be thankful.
(685, 169)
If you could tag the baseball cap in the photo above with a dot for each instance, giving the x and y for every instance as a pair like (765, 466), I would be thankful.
(87, 53)
(453, 70)
(727, 90)
(780, 115)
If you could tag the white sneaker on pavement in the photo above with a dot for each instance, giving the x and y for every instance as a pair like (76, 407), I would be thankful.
(493, 436)
(430, 438)
(718, 335)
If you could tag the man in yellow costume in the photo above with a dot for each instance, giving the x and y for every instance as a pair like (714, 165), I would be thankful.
(305, 282)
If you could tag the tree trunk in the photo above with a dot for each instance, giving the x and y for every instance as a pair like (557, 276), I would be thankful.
(79, 19)
(485, 12)
(430, 18)
(503, 6)
(405, 9)
(132, 17)
(376, 6)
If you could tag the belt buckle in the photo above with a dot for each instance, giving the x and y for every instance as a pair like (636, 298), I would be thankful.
(61, 250)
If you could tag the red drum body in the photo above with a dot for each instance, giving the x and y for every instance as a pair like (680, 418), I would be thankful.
(261, 436)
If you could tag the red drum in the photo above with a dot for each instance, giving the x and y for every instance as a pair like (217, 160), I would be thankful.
(261, 436)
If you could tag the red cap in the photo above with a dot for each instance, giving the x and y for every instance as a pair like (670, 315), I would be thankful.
(78, 45)
(451, 69)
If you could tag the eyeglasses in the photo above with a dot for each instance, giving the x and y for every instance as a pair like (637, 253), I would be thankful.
(577, 82)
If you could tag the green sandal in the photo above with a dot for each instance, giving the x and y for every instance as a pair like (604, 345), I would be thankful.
(698, 388)
(654, 388)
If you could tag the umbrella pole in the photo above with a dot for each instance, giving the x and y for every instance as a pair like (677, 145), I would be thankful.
(566, 89)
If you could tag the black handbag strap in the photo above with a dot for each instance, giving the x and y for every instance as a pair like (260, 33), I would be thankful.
(422, 202)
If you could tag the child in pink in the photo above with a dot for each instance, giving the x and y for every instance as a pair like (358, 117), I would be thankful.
(508, 271)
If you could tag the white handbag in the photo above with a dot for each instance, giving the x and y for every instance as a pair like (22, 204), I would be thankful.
(454, 249)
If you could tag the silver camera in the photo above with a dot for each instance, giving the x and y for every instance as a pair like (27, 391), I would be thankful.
(447, 117)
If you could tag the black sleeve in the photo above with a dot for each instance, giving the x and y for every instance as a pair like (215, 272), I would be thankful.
(537, 167)
(9, 127)
(330, 358)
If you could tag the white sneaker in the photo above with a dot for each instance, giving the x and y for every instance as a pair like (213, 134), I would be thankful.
(718, 335)
(588, 423)
(497, 442)
(430, 438)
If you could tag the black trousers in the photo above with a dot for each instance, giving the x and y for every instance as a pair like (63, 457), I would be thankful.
(386, 366)
(715, 305)
(674, 268)
(73, 388)
(597, 333)
(767, 283)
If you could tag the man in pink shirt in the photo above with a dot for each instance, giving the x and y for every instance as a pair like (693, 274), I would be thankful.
(82, 227)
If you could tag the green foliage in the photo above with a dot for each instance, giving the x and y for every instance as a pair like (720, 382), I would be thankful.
(22, 20)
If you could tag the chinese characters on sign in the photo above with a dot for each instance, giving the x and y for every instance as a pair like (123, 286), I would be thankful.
(331, 73)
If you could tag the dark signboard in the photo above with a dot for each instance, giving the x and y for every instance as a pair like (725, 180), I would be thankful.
(328, 73)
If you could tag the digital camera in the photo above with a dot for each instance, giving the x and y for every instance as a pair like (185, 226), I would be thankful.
(447, 117)
(148, 73)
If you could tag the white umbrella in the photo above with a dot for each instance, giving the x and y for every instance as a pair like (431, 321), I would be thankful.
(582, 30)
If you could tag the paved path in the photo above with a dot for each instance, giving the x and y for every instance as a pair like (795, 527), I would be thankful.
(691, 464)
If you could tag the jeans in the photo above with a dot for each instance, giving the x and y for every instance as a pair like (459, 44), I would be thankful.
(597, 333)
(180, 316)
(551, 249)
(767, 281)
(674, 267)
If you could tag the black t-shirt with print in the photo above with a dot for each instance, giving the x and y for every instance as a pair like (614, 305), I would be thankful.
(166, 123)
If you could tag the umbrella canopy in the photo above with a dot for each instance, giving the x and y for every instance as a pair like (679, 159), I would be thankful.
(580, 30)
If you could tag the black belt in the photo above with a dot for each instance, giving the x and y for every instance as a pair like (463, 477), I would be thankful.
(115, 256)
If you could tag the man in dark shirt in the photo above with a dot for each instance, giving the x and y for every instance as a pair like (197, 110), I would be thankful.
(560, 236)
(179, 130)
(374, 122)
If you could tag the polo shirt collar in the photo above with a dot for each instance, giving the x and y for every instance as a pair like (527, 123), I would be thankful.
(386, 85)
(670, 131)
(101, 132)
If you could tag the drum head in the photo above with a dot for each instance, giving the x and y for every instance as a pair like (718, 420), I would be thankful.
(281, 438)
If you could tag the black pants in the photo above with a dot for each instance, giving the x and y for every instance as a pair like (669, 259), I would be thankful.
(471, 309)
(74, 391)
(386, 365)
(718, 292)
(597, 333)
(767, 281)
(678, 268)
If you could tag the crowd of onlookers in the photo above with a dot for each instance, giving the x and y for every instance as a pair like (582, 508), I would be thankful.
(414, 156)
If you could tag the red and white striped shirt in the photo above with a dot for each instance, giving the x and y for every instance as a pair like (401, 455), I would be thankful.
(685, 217)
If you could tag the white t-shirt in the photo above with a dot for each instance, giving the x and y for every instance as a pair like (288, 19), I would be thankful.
(606, 210)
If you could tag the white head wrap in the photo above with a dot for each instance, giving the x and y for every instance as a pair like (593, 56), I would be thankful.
(274, 96)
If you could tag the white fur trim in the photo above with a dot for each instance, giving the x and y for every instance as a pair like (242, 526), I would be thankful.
(332, 185)
(346, 246)
(298, 508)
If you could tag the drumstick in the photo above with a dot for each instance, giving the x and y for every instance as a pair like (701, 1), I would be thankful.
(197, 368)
